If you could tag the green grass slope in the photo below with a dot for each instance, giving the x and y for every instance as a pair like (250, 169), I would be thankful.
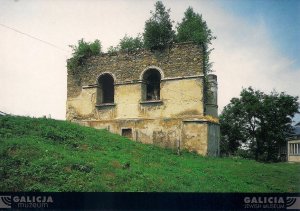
(50, 155)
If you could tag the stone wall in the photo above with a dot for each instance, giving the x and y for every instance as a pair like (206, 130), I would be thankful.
(178, 61)
(179, 98)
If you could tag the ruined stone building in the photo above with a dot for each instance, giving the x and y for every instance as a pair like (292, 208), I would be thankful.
(150, 97)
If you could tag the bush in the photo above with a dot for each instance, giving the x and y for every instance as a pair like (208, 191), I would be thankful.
(81, 52)
(112, 50)
(130, 43)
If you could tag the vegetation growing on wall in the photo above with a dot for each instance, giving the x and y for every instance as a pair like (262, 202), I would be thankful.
(81, 52)
(128, 44)
(194, 28)
(131, 43)
(113, 50)
(158, 32)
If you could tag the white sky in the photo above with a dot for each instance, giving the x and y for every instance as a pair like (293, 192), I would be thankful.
(33, 74)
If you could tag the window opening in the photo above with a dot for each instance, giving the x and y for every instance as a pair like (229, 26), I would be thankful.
(106, 90)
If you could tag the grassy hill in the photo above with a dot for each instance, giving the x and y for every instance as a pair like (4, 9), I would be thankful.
(50, 155)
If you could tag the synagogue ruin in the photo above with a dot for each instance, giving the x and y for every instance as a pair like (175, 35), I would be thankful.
(150, 97)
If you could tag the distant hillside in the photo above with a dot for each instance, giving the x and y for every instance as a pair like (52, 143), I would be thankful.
(51, 155)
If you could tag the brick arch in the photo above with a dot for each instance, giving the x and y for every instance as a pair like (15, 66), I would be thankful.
(105, 88)
(104, 73)
(151, 78)
(162, 75)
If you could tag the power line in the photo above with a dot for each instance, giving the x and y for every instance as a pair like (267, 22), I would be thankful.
(32, 37)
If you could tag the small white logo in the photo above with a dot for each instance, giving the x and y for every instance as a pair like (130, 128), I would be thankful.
(293, 203)
(5, 201)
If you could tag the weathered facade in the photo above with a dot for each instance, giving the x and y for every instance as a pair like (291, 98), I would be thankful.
(150, 97)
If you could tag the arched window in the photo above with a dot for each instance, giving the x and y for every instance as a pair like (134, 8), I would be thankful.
(151, 85)
(106, 90)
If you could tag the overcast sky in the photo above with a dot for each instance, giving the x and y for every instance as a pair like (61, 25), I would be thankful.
(257, 45)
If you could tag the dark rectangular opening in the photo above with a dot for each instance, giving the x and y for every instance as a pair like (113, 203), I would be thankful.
(127, 132)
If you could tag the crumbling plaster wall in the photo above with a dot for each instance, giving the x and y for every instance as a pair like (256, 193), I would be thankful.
(168, 132)
(178, 98)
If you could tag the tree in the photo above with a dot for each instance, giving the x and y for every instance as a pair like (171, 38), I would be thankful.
(233, 132)
(278, 110)
(262, 121)
(158, 32)
(130, 43)
(193, 28)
